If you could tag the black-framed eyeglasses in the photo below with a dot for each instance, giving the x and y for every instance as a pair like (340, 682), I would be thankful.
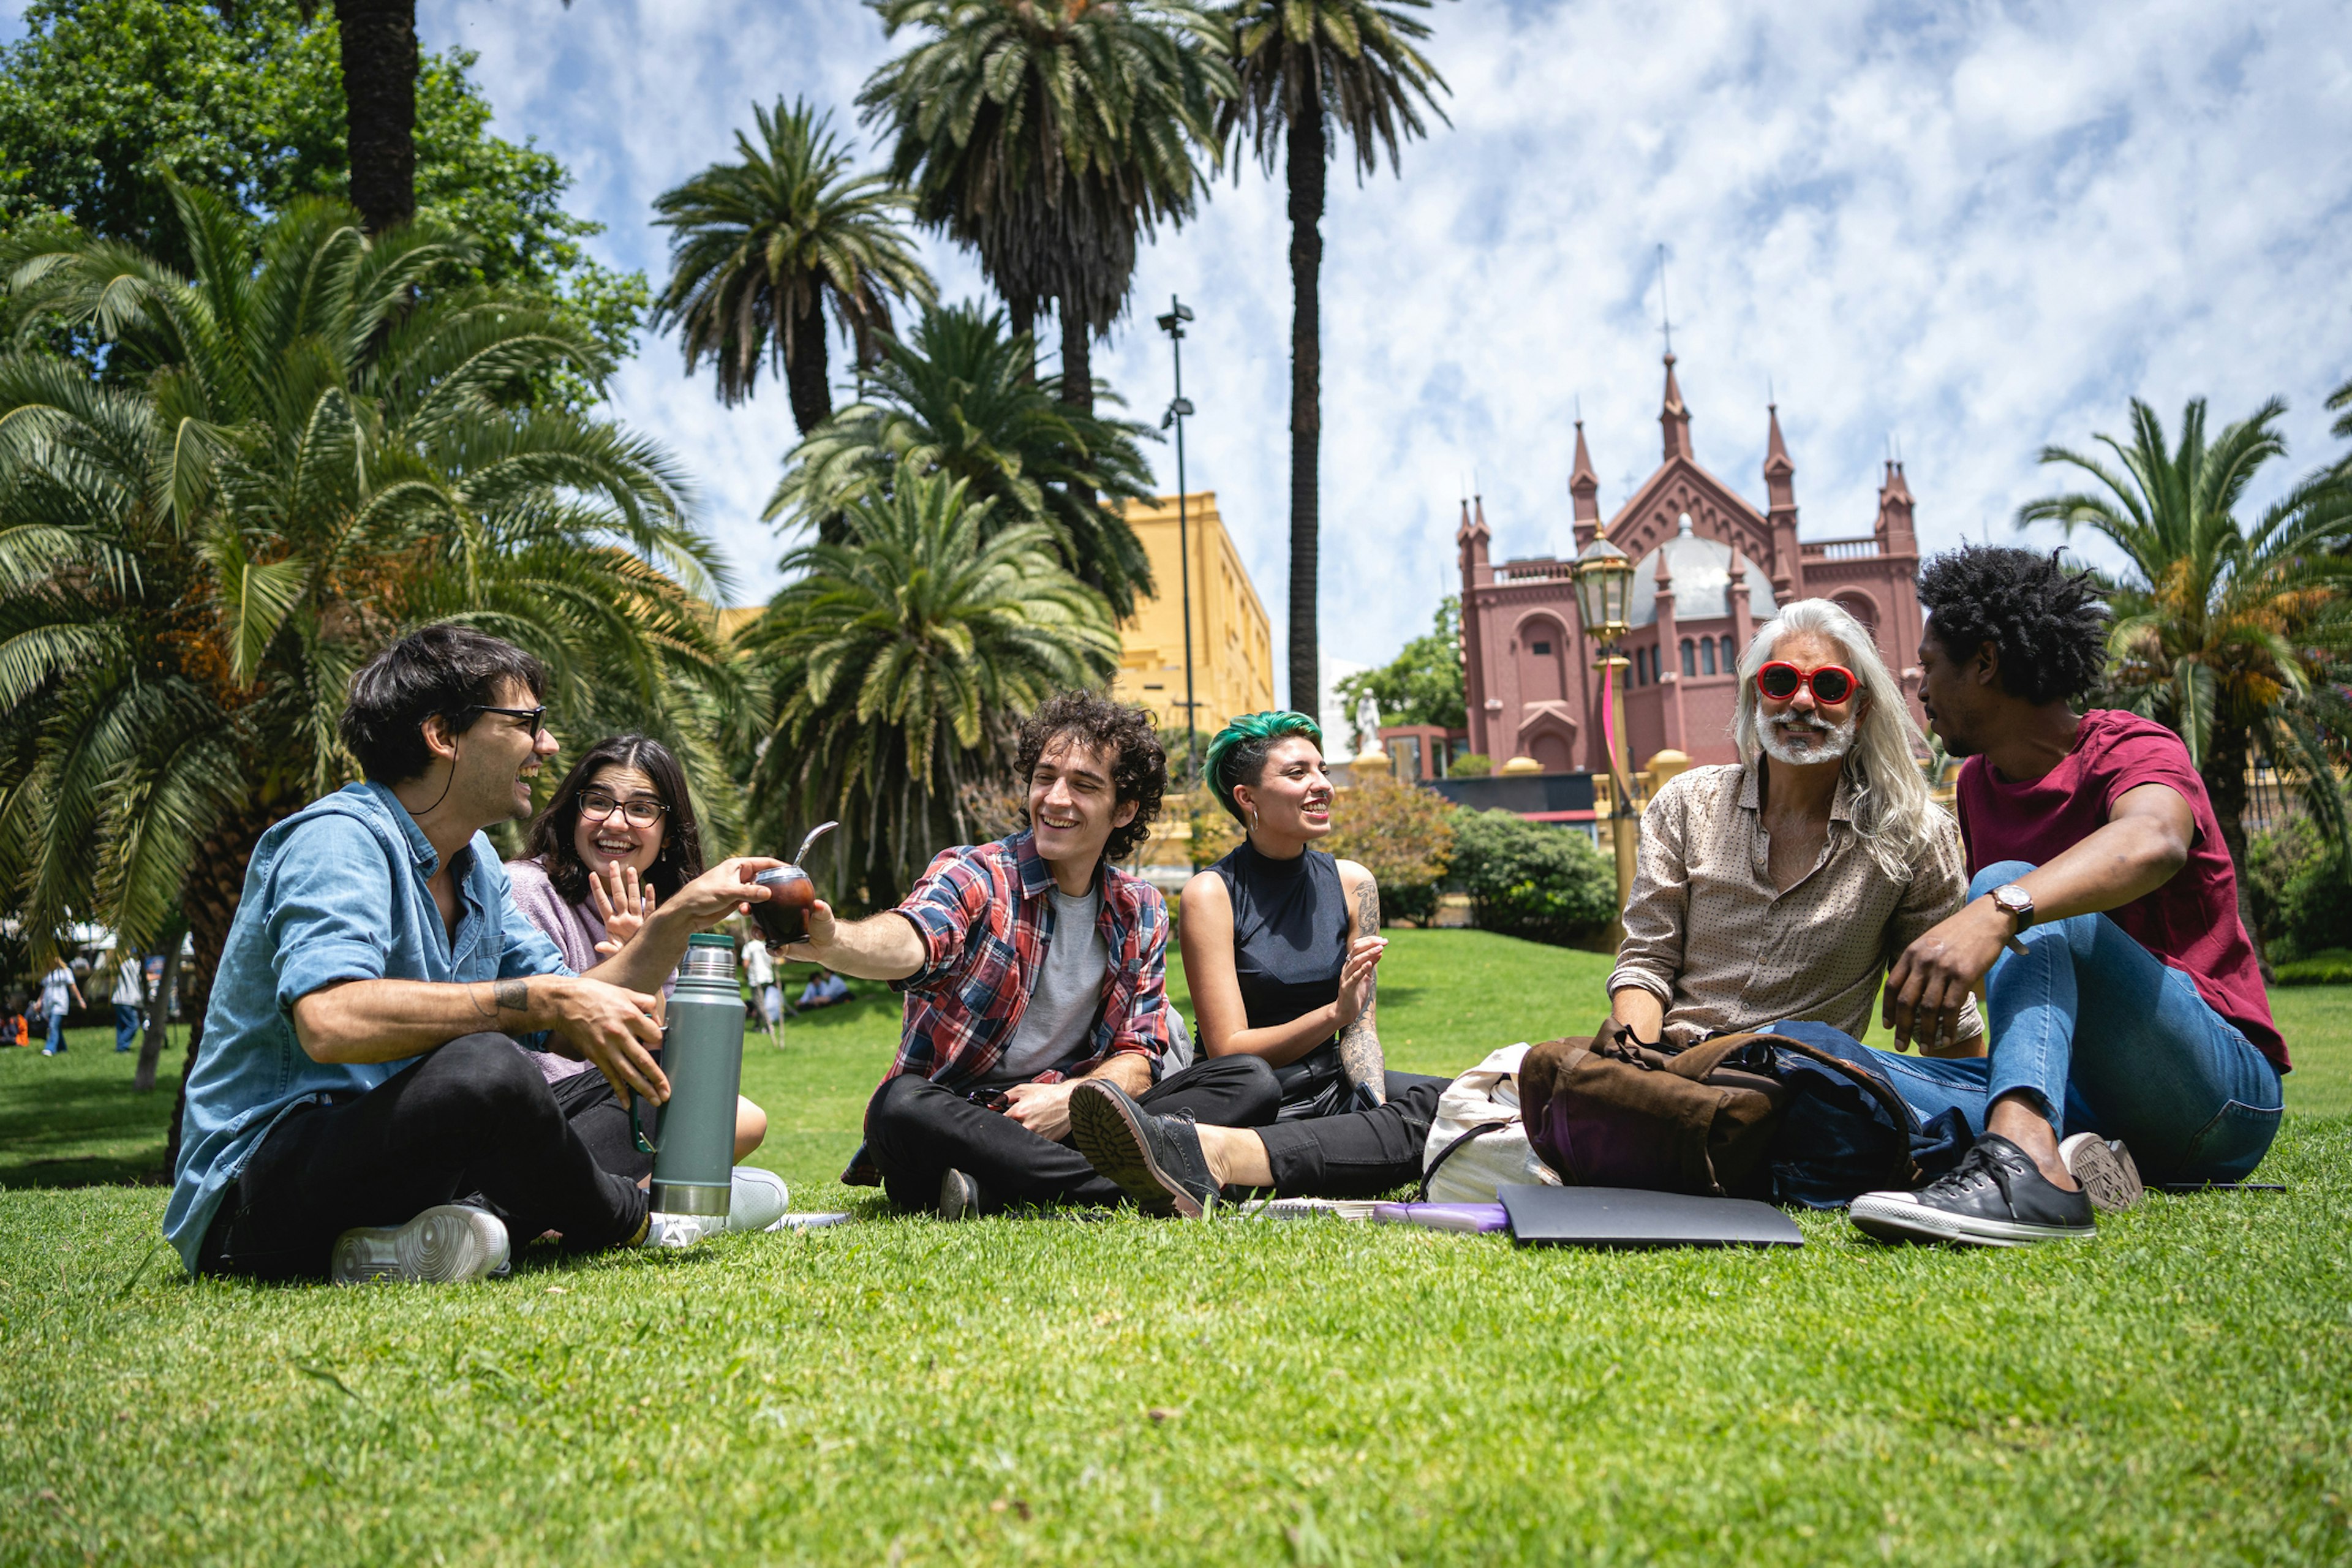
(596, 806)
(535, 718)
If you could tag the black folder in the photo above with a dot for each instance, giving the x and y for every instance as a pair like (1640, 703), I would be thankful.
(1624, 1217)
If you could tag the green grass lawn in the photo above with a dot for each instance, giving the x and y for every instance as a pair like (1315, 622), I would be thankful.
(1019, 1390)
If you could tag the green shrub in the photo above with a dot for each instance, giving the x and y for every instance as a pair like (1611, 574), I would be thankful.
(2300, 888)
(1470, 766)
(1533, 879)
(2333, 967)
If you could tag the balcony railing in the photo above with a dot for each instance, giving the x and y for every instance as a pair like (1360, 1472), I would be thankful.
(1540, 570)
(1838, 548)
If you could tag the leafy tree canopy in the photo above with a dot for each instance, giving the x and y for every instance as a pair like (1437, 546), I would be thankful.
(103, 99)
(1422, 685)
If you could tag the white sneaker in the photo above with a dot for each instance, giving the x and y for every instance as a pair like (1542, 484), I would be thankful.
(446, 1245)
(679, 1231)
(758, 1201)
(2104, 1169)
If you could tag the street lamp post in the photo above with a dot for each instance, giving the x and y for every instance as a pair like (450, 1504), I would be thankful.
(1172, 323)
(1604, 585)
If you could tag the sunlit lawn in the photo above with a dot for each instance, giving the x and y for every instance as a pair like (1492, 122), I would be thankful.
(1033, 1389)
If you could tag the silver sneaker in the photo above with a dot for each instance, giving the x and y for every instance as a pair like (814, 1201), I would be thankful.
(959, 1196)
(448, 1244)
(758, 1200)
(2104, 1169)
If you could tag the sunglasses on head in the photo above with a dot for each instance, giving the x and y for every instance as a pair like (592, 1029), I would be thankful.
(1831, 683)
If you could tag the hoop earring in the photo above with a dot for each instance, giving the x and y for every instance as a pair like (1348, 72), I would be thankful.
(1254, 819)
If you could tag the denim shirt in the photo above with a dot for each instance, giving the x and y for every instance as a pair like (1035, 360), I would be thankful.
(335, 892)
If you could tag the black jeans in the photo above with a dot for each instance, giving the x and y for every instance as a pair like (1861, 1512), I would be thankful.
(1360, 1153)
(916, 1132)
(473, 1118)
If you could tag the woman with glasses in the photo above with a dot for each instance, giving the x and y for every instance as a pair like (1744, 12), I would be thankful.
(617, 838)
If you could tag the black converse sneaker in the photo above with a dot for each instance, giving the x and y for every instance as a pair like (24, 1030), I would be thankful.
(1156, 1160)
(1996, 1197)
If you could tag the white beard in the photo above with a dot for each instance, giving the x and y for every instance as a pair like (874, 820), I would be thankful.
(1835, 742)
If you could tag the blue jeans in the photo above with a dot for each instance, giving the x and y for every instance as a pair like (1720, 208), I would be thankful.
(126, 1025)
(2102, 1036)
(57, 1033)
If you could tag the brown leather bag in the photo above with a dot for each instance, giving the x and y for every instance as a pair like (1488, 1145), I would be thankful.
(1614, 1112)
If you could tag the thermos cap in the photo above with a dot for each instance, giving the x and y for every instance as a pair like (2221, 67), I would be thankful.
(711, 939)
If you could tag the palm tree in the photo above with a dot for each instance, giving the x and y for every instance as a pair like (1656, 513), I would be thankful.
(956, 398)
(2235, 637)
(758, 246)
(314, 451)
(899, 661)
(1311, 70)
(1048, 135)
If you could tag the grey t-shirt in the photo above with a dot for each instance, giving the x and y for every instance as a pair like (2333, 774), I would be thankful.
(1068, 995)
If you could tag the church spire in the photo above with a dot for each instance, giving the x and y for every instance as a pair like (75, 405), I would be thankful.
(1675, 418)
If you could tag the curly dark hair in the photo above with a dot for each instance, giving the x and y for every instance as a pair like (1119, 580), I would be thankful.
(2048, 624)
(1138, 769)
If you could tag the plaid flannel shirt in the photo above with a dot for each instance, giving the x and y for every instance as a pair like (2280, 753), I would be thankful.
(984, 918)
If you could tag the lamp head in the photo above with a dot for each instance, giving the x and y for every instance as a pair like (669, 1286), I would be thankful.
(1605, 589)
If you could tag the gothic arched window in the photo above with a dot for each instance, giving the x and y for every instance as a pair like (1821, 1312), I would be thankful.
(1690, 657)
(1730, 659)
(1707, 655)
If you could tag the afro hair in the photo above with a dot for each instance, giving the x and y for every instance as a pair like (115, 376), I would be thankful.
(2048, 624)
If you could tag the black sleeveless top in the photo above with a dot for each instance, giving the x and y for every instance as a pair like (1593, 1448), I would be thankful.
(1290, 941)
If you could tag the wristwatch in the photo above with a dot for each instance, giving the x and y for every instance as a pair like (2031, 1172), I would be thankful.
(2017, 905)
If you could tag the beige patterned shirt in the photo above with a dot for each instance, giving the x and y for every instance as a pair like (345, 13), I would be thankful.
(1709, 936)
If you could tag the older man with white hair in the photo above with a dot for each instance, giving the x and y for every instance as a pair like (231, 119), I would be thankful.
(1780, 887)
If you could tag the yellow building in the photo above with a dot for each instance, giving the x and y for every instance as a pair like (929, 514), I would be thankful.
(1232, 646)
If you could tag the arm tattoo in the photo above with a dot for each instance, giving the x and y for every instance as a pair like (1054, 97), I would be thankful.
(513, 996)
(1361, 1057)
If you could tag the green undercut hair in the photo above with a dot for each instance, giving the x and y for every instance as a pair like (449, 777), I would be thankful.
(1237, 755)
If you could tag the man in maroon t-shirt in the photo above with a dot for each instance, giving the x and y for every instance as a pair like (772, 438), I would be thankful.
(2129, 1025)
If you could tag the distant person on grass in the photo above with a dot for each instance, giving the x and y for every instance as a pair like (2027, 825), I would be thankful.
(1282, 943)
(16, 1029)
(2102, 919)
(1032, 965)
(130, 999)
(358, 1075)
(827, 990)
(56, 987)
(617, 837)
(767, 995)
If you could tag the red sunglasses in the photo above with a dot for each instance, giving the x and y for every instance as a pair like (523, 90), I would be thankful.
(1831, 684)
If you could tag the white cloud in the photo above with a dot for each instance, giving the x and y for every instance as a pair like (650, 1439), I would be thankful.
(1973, 229)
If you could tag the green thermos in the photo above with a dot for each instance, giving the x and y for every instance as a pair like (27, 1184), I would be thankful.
(702, 1052)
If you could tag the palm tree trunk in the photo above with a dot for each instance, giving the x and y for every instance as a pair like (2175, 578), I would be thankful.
(2225, 773)
(1078, 373)
(379, 46)
(1021, 315)
(158, 1011)
(806, 371)
(1306, 172)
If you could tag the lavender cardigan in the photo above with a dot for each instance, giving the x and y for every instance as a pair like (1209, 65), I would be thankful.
(576, 929)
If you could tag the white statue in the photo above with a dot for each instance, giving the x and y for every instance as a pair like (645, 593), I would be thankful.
(1368, 724)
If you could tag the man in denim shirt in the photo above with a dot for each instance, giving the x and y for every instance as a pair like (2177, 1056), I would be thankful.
(357, 1075)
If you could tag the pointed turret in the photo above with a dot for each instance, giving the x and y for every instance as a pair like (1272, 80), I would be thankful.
(1471, 540)
(1896, 535)
(1675, 418)
(1584, 491)
(1780, 487)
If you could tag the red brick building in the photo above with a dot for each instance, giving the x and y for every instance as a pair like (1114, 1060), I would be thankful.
(1710, 567)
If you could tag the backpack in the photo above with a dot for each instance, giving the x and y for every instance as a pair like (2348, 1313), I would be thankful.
(1738, 1115)
(1477, 1141)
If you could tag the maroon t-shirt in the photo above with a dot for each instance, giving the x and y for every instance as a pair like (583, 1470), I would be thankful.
(2192, 922)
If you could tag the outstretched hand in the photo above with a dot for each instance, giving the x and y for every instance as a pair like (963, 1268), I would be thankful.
(624, 908)
(1930, 982)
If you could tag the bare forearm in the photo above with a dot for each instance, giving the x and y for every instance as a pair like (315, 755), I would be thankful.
(1281, 1044)
(386, 1020)
(881, 947)
(1640, 1011)
(1131, 1070)
(2126, 860)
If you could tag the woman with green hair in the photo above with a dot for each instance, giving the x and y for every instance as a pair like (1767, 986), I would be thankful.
(1282, 943)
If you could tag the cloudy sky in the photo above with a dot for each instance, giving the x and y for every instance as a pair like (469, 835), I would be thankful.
(1966, 229)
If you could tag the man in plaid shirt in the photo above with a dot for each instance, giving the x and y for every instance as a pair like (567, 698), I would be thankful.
(1029, 964)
